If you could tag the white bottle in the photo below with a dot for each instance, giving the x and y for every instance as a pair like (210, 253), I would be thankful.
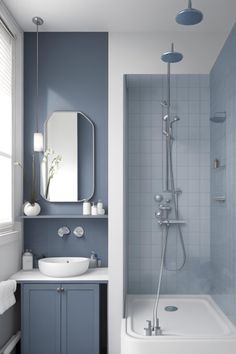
(94, 210)
(99, 205)
(100, 209)
(27, 260)
(86, 208)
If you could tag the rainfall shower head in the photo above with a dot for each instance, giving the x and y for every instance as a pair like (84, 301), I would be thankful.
(171, 57)
(189, 16)
(219, 117)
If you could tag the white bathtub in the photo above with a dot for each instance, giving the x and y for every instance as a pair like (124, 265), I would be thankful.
(197, 327)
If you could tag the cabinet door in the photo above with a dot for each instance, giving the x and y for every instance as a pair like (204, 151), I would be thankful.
(40, 319)
(80, 319)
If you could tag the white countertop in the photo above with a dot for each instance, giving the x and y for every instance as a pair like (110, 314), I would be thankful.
(98, 275)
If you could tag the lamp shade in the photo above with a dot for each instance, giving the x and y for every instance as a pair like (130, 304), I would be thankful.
(38, 142)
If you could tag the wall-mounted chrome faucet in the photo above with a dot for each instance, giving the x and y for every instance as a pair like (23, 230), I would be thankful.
(62, 231)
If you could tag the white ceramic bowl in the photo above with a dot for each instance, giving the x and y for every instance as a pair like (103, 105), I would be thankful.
(63, 266)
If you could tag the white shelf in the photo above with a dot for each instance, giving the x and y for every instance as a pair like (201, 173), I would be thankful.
(65, 216)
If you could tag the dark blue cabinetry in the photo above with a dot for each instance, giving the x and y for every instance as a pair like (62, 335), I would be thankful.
(60, 318)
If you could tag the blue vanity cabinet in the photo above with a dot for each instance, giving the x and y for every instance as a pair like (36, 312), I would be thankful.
(80, 319)
(60, 318)
(40, 319)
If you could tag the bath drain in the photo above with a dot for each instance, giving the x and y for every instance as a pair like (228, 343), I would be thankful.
(171, 308)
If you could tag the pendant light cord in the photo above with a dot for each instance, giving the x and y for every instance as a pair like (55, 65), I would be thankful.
(37, 81)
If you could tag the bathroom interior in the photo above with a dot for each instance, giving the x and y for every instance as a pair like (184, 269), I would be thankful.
(117, 207)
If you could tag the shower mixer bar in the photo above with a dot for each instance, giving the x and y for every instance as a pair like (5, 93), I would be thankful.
(171, 222)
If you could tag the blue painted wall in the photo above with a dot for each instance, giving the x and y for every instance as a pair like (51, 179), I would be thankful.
(223, 147)
(73, 75)
(41, 237)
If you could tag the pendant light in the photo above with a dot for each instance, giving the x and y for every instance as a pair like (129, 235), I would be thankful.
(38, 137)
(189, 16)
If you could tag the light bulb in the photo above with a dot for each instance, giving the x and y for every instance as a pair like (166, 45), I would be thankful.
(38, 142)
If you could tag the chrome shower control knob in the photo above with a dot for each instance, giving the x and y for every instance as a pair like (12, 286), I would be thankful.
(158, 214)
(158, 198)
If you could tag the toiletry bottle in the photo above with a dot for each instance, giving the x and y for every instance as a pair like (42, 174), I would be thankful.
(99, 205)
(99, 262)
(94, 209)
(27, 260)
(93, 260)
(100, 209)
(86, 208)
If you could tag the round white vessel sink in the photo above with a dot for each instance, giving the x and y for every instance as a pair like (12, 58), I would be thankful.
(63, 266)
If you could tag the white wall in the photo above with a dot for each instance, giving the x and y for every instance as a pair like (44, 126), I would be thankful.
(139, 54)
(11, 243)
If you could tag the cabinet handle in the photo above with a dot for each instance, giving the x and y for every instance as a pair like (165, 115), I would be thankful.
(58, 290)
(62, 289)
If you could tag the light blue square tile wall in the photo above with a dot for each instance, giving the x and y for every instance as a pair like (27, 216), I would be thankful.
(190, 101)
(223, 147)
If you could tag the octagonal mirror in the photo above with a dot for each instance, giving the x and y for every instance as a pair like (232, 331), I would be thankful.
(67, 167)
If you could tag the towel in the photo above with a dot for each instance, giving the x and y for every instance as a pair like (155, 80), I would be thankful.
(7, 297)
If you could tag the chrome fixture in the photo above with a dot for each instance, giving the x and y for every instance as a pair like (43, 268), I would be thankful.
(165, 207)
(158, 198)
(171, 308)
(220, 198)
(189, 16)
(158, 214)
(171, 222)
(78, 231)
(38, 137)
(154, 329)
(171, 57)
(219, 117)
(60, 290)
(163, 103)
(62, 231)
(175, 119)
(171, 202)
(148, 329)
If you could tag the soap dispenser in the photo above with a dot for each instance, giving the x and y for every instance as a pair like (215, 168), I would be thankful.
(27, 260)
(93, 260)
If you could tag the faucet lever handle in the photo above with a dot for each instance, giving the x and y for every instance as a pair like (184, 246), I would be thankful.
(148, 329)
(149, 324)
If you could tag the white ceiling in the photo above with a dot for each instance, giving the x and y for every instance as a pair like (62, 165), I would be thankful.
(121, 15)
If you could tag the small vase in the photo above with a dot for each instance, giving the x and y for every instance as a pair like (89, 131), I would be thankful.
(31, 209)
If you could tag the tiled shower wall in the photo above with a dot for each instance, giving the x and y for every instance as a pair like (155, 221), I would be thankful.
(144, 158)
(223, 147)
